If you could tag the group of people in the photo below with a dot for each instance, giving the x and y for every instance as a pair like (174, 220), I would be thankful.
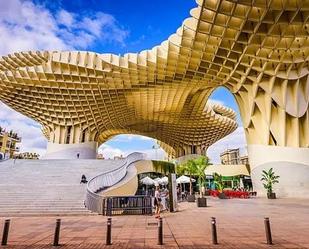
(181, 195)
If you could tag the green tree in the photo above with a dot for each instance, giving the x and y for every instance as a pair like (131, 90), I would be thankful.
(195, 167)
(269, 178)
(219, 182)
(187, 168)
(201, 163)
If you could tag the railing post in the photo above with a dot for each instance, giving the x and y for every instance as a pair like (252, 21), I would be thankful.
(144, 205)
(214, 231)
(57, 233)
(268, 231)
(160, 231)
(109, 231)
(5, 234)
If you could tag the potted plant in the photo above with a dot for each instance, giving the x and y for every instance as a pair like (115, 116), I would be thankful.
(219, 185)
(269, 178)
(201, 163)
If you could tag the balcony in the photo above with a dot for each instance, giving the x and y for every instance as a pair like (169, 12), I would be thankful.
(10, 134)
(16, 138)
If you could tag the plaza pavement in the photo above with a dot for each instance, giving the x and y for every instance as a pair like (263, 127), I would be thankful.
(240, 224)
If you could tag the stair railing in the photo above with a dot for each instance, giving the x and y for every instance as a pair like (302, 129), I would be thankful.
(94, 201)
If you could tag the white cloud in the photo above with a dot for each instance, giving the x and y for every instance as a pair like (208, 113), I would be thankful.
(151, 154)
(27, 129)
(27, 26)
(155, 154)
(129, 137)
(65, 18)
(236, 139)
(215, 102)
(109, 152)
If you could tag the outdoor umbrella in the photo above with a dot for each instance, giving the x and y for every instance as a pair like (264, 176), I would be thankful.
(164, 180)
(147, 181)
(184, 179)
(157, 181)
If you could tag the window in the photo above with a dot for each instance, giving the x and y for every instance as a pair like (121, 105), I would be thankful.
(69, 128)
(83, 136)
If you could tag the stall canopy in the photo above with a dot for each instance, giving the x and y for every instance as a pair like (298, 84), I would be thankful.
(184, 179)
(147, 181)
(164, 180)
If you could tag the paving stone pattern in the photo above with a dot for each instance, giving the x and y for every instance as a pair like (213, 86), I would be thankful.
(240, 225)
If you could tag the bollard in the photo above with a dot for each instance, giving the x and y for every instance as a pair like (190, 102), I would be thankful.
(5, 234)
(57, 233)
(268, 231)
(109, 232)
(214, 231)
(160, 231)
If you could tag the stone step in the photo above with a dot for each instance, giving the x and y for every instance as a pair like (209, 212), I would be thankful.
(34, 187)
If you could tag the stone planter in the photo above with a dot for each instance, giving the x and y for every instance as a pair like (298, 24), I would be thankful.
(201, 202)
(222, 195)
(191, 198)
(271, 195)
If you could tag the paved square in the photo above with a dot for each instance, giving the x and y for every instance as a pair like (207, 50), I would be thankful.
(240, 224)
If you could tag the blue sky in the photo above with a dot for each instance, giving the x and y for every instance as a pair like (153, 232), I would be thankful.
(148, 22)
(106, 26)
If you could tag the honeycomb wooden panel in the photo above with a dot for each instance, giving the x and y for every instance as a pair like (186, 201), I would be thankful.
(257, 49)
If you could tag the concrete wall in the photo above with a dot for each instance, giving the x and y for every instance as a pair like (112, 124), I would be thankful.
(291, 164)
(86, 150)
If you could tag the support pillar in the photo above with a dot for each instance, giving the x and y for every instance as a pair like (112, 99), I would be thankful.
(290, 163)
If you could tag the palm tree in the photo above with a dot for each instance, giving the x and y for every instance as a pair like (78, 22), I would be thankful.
(218, 182)
(201, 163)
(187, 168)
(195, 167)
(270, 179)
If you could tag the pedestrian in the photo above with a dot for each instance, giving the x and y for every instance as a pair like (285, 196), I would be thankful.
(157, 202)
(77, 155)
(84, 179)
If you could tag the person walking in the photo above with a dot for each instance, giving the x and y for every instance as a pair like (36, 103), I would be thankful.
(84, 179)
(157, 202)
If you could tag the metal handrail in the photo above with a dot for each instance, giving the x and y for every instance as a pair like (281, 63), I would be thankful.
(94, 201)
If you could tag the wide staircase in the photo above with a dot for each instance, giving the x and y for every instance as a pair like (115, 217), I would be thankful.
(47, 187)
